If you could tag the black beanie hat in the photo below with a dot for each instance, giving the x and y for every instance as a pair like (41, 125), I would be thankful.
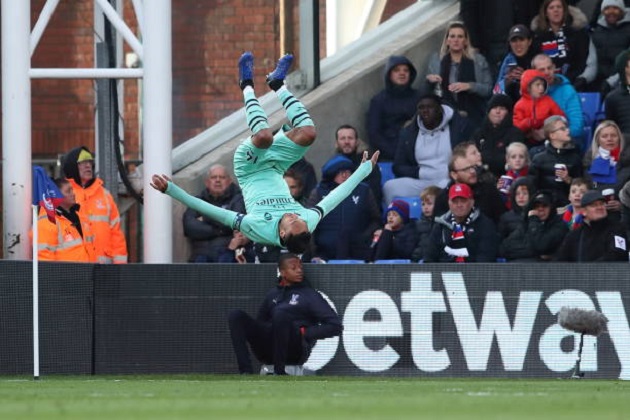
(500, 100)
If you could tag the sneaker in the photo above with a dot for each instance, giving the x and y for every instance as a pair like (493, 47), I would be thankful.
(246, 70)
(275, 79)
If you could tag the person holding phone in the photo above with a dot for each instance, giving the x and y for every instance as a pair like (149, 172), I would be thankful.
(516, 61)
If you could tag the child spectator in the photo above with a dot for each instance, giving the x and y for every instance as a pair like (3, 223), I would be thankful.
(424, 225)
(572, 213)
(398, 237)
(469, 150)
(516, 166)
(534, 107)
(558, 163)
(521, 191)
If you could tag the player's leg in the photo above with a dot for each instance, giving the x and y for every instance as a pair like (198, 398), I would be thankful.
(262, 136)
(303, 128)
(243, 330)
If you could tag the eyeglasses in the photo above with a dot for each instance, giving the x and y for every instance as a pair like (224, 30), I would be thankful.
(563, 128)
(466, 169)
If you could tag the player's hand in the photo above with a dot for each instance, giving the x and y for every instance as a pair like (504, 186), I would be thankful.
(374, 158)
(160, 182)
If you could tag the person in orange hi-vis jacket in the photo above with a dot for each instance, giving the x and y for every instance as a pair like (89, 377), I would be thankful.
(69, 237)
(97, 206)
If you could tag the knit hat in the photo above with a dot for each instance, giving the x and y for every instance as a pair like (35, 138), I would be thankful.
(335, 165)
(500, 99)
(620, 66)
(401, 207)
(613, 3)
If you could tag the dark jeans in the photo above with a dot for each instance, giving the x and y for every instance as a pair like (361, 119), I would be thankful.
(278, 343)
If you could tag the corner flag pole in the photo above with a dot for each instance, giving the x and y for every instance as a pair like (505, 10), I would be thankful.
(35, 298)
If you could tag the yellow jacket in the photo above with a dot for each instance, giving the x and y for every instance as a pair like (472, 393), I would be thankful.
(99, 210)
(61, 241)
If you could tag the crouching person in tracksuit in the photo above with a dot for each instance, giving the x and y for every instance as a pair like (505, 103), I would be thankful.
(292, 318)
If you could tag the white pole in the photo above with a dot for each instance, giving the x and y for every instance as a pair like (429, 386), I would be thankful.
(157, 126)
(137, 8)
(16, 128)
(42, 21)
(122, 27)
(85, 73)
(35, 296)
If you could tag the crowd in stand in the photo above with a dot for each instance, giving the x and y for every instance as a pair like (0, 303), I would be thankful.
(492, 149)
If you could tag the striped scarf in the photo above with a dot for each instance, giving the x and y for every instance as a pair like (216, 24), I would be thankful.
(573, 220)
(457, 246)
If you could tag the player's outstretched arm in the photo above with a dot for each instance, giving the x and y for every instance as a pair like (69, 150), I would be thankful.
(337, 195)
(164, 184)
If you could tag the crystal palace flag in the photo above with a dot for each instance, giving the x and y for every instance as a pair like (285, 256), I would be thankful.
(45, 192)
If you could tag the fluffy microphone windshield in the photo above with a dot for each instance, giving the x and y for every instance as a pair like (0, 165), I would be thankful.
(581, 321)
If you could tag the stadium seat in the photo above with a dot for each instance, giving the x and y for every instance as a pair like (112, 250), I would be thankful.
(392, 261)
(345, 262)
(415, 206)
(387, 171)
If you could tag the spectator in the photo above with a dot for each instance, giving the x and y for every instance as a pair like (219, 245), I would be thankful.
(521, 191)
(516, 166)
(392, 107)
(608, 163)
(69, 238)
(558, 151)
(534, 107)
(346, 232)
(463, 234)
(424, 150)
(307, 173)
(292, 317)
(347, 144)
(517, 60)
(617, 103)
(296, 186)
(597, 11)
(560, 32)
(496, 133)
(469, 149)
(463, 78)
(624, 197)
(398, 237)
(487, 198)
(97, 206)
(539, 236)
(563, 94)
(599, 239)
(611, 36)
(210, 239)
(424, 225)
(572, 214)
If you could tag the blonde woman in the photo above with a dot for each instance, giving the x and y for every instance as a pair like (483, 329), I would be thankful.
(462, 77)
(608, 161)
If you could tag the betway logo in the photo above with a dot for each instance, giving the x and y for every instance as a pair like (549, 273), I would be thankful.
(514, 337)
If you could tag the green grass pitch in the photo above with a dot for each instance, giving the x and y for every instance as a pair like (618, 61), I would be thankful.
(324, 398)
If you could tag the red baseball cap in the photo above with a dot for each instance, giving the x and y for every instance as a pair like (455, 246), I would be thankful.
(459, 190)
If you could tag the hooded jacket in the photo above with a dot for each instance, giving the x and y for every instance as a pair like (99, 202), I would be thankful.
(481, 239)
(416, 157)
(570, 58)
(98, 208)
(514, 218)
(609, 42)
(210, 238)
(492, 141)
(617, 103)
(62, 240)
(599, 241)
(531, 113)
(390, 109)
(564, 94)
